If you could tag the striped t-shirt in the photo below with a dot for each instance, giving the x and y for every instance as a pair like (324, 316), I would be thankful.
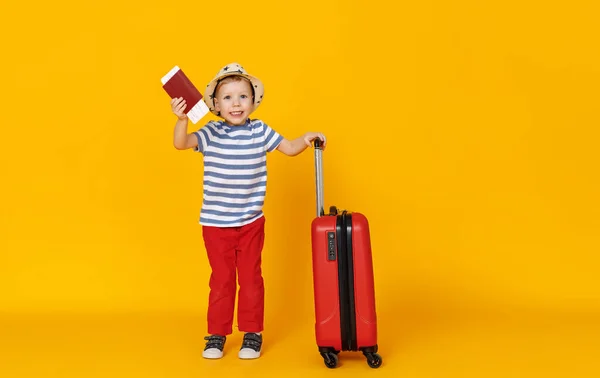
(235, 171)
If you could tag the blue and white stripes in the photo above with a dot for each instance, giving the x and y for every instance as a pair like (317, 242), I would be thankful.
(235, 171)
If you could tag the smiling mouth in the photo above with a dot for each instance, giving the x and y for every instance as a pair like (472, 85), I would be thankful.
(235, 113)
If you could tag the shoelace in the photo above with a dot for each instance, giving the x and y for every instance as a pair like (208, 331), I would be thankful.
(214, 342)
(252, 341)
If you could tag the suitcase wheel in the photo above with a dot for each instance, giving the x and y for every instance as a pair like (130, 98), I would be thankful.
(330, 359)
(374, 360)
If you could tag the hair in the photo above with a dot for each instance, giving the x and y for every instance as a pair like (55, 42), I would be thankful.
(228, 79)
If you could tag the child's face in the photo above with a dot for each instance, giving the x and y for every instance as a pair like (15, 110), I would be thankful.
(234, 100)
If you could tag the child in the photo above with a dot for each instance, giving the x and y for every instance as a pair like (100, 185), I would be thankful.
(232, 219)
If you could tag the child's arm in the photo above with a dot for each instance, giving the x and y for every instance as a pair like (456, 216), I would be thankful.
(181, 139)
(296, 146)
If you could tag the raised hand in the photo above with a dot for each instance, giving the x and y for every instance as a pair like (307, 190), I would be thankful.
(178, 106)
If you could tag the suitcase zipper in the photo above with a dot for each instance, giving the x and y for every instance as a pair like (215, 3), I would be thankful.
(346, 281)
(351, 297)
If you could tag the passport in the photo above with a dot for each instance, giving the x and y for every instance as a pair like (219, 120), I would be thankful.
(177, 84)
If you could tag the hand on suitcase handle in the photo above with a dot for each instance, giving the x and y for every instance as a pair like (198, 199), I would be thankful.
(318, 138)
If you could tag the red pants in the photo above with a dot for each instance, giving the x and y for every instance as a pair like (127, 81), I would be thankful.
(231, 248)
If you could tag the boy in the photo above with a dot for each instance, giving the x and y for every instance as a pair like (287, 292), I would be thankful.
(232, 219)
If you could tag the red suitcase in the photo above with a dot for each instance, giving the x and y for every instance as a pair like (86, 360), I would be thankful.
(344, 293)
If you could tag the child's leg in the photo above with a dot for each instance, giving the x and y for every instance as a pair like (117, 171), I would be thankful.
(251, 294)
(220, 245)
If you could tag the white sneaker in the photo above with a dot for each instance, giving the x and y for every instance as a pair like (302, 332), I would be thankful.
(251, 346)
(214, 347)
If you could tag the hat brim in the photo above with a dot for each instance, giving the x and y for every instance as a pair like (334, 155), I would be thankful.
(257, 86)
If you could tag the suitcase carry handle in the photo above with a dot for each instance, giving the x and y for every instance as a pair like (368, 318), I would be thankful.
(319, 177)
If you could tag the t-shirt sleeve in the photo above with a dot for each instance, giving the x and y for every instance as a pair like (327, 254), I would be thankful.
(203, 135)
(272, 138)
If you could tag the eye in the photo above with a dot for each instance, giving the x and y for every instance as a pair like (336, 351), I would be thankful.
(244, 96)
(227, 97)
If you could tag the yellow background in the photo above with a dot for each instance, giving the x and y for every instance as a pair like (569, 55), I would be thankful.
(466, 131)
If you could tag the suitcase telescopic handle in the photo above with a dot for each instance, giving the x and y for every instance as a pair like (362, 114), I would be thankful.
(319, 177)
